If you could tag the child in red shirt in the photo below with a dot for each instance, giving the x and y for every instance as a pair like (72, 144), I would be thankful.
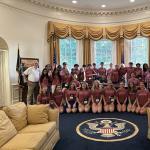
(131, 97)
(143, 99)
(109, 71)
(138, 72)
(134, 80)
(96, 93)
(84, 98)
(70, 97)
(102, 72)
(43, 97)
(58, 98)
(109, 97)
(130, 70)
(115, 74)
(122, 95)
(147, 79)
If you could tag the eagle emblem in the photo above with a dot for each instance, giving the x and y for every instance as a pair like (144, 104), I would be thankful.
(107, 128)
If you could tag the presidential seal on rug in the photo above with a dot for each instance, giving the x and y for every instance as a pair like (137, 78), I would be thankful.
(107, 129)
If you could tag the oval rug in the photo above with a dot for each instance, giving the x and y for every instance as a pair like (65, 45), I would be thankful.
(107, 129)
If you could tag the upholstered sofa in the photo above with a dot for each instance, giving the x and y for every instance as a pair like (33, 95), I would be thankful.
(32, 127)
(148, 115)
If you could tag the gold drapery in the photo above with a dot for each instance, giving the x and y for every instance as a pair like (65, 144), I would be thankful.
(130, 31)
(94, 33)
(113, 33)
(145, 29)
(78, 32)
(97, 32)
(86, 51)
(87, 33)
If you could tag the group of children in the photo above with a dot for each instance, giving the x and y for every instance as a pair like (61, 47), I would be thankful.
(91, 89)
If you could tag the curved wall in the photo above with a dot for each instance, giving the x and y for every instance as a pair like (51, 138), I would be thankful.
(25, 23)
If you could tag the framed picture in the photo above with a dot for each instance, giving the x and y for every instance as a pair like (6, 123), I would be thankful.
(28, 62)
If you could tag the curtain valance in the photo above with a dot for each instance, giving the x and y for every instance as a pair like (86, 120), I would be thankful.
(97, 32)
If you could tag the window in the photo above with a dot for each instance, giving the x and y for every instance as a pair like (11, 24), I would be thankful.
(138, 50)
(68, 52)
(104, 51)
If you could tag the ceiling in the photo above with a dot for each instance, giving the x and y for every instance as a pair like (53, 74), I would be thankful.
(95, 5)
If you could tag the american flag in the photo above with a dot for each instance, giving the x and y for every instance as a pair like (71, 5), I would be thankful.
(54, 57)
(122, 58)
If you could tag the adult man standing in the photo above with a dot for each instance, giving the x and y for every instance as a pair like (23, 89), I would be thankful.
(33, 76)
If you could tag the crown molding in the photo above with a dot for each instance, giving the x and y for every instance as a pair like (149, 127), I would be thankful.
(51, 15)
(90, 13)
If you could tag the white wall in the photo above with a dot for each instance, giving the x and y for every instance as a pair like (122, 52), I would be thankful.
(29, 31)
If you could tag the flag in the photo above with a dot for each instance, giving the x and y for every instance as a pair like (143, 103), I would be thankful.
(54, 57)
(122, 56)
(19, 68)
(18, 65)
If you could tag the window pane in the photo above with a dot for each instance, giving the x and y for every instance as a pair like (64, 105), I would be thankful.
(103, 52)
(68, 50)
(139, 50)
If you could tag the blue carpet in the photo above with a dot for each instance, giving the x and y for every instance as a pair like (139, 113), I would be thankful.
(70, 140)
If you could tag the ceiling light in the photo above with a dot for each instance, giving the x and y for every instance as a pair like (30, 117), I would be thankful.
(132, 1)
(103, 6)
(74, 2)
